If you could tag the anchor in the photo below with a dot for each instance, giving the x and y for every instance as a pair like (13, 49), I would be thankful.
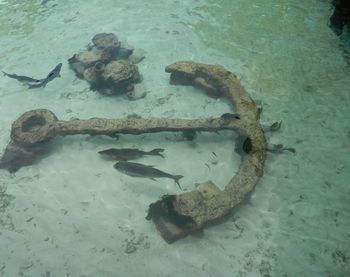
(175, 216)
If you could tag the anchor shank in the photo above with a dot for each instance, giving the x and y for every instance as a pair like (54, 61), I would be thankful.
(32, 131)
(100, 126)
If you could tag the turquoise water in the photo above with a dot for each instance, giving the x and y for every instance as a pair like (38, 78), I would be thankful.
(72, 214)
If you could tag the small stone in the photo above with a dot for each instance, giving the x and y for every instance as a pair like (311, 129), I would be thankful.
(137, 56)
(79, 62)
(133, 115)
(93, 73)
(104, 40)
(109, 53)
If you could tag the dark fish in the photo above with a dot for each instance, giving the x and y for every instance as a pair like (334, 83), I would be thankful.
(247, 145)
(227, 116)
(52, 75)
(275, 126)
(147, 171)
(243, 145)
(279, 148)
(126, 154)
(272, 128)
(22, 78)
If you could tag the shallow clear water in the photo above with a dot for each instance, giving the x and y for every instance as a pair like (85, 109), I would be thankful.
(72, 214)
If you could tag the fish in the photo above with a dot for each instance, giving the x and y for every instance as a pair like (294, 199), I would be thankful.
(21, 78)
(227, 116)
(279, 148)
(272, 128)
(243, 145)
(125, 154)
(52, 75)
(275, 126)
(146, 171)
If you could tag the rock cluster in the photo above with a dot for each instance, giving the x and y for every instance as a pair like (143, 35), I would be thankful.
(108, 65)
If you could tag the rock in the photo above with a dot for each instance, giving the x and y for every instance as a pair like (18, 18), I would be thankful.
(88, 57)
(15, 157)
(120, 76)
(109, 53)
(93, 73)
(137, 56)
(105, 65)
(104, 40)
(133, 115)
(119, 71)
(124, 51)
(137, 93)
(79, 62)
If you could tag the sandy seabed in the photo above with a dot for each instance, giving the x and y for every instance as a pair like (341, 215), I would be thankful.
(72, 214)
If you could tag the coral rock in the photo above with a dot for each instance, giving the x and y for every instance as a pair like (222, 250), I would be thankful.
(93, 73)
(104, 40)
(79, 62)
(121, 75)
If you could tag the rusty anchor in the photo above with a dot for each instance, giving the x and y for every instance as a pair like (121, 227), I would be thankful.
(175, 216)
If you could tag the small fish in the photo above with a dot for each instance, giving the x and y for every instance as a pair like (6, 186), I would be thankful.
(52, 75)
(247, 145)
(227, 116)
(275, 126)
(21, 78)
(243, 145)
(279, 148)
(147, 171)
(126, 154)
